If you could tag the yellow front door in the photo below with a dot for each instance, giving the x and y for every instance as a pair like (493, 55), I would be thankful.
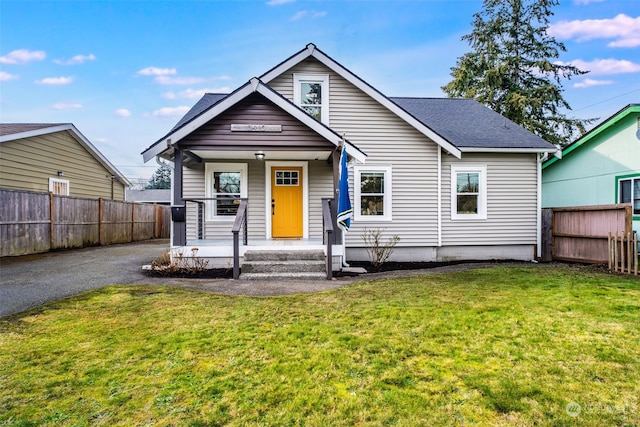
(286, 202)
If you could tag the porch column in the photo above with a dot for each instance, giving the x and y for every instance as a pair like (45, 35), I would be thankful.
(179, 228)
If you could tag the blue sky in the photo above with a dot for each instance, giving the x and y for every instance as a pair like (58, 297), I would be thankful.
(124, 72)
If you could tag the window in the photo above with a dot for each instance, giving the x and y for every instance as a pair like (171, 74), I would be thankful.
(311, 93)
(226, 182)
(629, 192)
(59, 186)
(468, 192)
(372, 188)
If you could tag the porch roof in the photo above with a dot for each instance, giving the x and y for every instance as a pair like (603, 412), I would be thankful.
(211, 106)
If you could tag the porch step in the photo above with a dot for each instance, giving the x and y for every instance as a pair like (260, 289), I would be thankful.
(284, 264)
(284, 255)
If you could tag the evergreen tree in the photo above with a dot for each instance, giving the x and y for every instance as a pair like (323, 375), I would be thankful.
(511, 68)
(161, 178)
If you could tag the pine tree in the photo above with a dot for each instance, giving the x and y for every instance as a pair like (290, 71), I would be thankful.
(513, 68)
(161, 178)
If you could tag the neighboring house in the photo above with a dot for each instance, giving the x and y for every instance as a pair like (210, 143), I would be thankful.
(56, 158)
(453, 179)
(160, 197)
(602, 167)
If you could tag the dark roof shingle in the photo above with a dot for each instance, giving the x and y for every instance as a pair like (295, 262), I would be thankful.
(467, 123)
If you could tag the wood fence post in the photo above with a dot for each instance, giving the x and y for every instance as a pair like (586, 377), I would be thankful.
(52, 236)
(609, 249)
(100, 206)
(133, 219)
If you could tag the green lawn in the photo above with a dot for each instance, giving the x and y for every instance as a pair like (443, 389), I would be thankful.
(500, 346)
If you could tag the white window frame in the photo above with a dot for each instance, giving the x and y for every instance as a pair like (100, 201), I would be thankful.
(323, 79)
(632, 180)
(53, 181)
(210, 169)
(357, 195)
(482, 191)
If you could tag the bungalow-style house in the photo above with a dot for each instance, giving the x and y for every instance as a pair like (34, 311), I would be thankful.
(602, 167)
(451, 178)
(56, 158)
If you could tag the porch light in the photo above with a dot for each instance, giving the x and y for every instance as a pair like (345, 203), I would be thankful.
(260, 155)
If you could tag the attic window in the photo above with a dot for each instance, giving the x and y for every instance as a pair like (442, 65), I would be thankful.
(311, 93)
(59, 187)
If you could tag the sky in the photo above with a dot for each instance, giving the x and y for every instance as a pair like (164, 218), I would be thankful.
(124, 72)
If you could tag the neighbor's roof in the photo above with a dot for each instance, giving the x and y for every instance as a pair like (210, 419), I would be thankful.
(148, 195)
(471, 126)
(15, 131)
(593, 133)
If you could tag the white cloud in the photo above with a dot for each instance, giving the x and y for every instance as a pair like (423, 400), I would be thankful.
(312, 14)
(122, 112)
(67, 106)
(624, 29)
(170, 112)
(22, 56)
(195, 93)
(155, 71)
(592, 82)
(166, 80)
(5, 77)
(604, 66)
(78, 59)
(55, 81)
(279, 2)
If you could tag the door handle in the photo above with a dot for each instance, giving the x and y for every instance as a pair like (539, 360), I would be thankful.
(273, 207)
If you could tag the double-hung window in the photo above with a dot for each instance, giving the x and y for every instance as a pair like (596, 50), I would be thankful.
(468, 192)
(311, 93)
(372, 193)
(629, 192)
(226, 183)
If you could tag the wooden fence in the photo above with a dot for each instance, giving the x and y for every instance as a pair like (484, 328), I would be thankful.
(581, 233)
(623, 253)
(32, 222)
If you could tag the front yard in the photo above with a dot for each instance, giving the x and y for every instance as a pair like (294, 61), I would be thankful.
(500, 346)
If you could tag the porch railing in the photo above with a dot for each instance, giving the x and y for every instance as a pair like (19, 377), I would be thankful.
(327, 234)
(239, 223)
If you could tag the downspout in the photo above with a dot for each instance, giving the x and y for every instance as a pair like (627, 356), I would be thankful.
(539, 160)
(439, 196)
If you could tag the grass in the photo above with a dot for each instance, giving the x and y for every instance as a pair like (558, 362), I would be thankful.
(500, 346)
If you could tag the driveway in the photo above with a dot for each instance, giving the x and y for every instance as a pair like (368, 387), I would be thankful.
(32, 280)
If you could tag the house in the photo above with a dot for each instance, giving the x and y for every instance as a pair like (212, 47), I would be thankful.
(157, 196)
(453, 179)
(56, 158)
(602, 167)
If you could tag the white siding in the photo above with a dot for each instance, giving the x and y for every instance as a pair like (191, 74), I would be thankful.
(320, 186)
(511, 202)
(389, 141)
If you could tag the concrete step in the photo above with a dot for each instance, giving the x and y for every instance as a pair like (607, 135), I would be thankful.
(283, 276)
(290, 266)
(284, 255)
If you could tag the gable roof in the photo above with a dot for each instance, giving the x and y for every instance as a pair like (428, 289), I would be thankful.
(15, 131)
(212, 106)
(312, 51)
(593, 133)
(472, 126)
